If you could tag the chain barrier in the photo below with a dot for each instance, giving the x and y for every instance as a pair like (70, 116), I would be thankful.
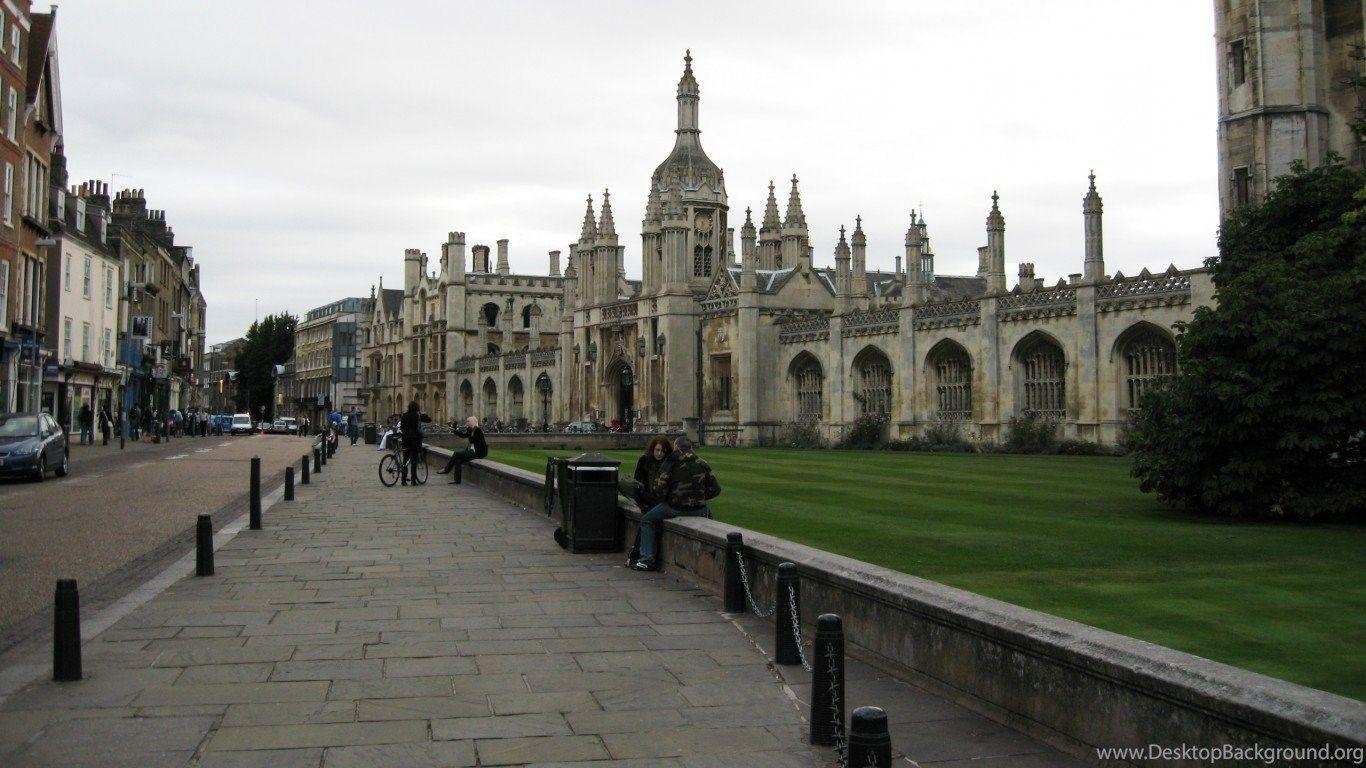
(749, 596)
(797, 628)
(841, 738)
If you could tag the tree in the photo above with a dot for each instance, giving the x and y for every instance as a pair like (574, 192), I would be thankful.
(268, 343)
(1267, 417)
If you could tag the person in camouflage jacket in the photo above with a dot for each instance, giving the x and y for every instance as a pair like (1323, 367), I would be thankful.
(686, 484)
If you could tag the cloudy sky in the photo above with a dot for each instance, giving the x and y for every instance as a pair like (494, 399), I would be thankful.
(301, 146)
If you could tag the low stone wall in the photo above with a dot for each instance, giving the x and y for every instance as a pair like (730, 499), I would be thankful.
(1072, 685)
(572, 443)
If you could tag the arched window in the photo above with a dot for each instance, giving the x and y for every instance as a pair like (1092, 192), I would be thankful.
(526, 316)
(490, 399)
(493, 349)
(873, 383)
(490, 314)
(466, 398)
(701, 261)
(951, 369)
(1148, 356)
(809, 384)
(515, 392)
(1042, 367)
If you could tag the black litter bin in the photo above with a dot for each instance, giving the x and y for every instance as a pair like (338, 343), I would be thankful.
(588, 498)
(371, 433)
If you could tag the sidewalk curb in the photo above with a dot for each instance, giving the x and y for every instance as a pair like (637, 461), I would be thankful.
(33, 666)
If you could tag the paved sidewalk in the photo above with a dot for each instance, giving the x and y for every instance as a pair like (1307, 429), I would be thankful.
(412, 626)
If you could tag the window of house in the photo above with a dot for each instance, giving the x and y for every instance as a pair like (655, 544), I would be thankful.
(3, 20)
(80, 215)
(1044, 389)
(85, 341)
(9, 194)
(85, 279)
(1242, 187)
(66, 274)
(874, 380)
(810, 391)
(1237, 62)
(108, 288)
(66, 338)
(11, 113)
(108, 348)
(1147, 358)
(953, 385)
(14, 43)
(4, 293)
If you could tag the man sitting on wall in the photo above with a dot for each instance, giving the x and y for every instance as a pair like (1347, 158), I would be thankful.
(686, 484)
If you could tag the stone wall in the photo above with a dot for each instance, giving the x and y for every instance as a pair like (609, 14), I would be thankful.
(1075, 686)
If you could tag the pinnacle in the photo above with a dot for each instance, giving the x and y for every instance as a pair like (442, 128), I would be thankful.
(590, 229)
(771, 210)
(795, 218)
(607, 227)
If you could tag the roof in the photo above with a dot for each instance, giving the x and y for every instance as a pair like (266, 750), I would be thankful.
(393, 301)
(38, 36)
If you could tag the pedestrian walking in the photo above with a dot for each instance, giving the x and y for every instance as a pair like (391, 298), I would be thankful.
(135, 423)
(87, 421)
(478, 449)
(106, 424)
(686, 484)
(410, 428)
(353, 427)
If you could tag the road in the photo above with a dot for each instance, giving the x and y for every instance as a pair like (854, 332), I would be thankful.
(121, 516)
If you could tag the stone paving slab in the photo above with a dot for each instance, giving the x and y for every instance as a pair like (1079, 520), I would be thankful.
(437, 626)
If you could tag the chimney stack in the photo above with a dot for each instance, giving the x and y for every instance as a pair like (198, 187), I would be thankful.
(503, 257)
(554, 263)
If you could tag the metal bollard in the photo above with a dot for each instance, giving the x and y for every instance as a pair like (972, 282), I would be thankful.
(786, 632)
(735, 588)
(256, 493)
(289, 483)
(317, 460)
(322, 452)
(66, 632)
(120, 441)
(869, 742)
(827, 681)
(203, 550)
(304, 478)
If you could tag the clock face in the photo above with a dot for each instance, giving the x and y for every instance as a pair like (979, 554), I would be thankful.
(702, 223)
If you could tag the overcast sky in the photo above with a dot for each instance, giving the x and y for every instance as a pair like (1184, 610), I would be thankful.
(300, 147)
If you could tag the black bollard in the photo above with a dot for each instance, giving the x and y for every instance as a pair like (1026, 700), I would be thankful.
(322, 452)
(289, 483)
(66, 632)
(869, 742)
(203, 550)
(827, 681)
(120, 441)
(256, 493)
(304, 463)
(735, 586)
(787, 633)
(317, 460)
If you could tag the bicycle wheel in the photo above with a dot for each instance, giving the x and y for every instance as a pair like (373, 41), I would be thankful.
(389, 470)
(420, 469)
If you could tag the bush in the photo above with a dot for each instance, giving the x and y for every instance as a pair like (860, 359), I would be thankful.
(1031, 434)
(801, 435)
(868, 431)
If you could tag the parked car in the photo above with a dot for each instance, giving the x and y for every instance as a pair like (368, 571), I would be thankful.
(284, 425)
(241, 424)
(31, 445)
(585, 426)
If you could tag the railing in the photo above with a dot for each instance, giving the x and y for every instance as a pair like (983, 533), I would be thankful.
(1146, 290)
(801, 328)
(514, 360)
(487, 364)
(949, 314)
(544, 357)
(870, 323)
(1038, 304)
(620, 311)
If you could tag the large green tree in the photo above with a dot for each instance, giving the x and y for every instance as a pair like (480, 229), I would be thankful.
(268, 343)
(1267, 417)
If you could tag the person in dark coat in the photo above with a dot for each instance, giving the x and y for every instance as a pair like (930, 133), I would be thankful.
(641, 486)
(87, 420)
(687, 484)
(410, 428)
(478, 449)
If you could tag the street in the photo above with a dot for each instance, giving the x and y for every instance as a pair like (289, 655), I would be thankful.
(121, 516)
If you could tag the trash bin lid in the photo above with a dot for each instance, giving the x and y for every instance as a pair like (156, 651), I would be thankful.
(593, 460)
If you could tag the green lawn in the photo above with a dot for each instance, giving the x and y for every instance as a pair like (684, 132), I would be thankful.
(1070, 536)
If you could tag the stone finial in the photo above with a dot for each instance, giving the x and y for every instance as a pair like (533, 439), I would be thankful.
(607, 227)
(771, 210)
(590, 227)
(858, 237)
(795, 219)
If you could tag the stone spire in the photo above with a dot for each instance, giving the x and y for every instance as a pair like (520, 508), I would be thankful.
(795, 218)
(1093, 268)
(860, 276)
(606, 227)
(748, 253)
(687, 84)
(590, 229)
(843, 283)
(652, 206)
(995, 266)
(771, 210)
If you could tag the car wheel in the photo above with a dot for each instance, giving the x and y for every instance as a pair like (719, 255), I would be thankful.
(42, 468)
(64, 468)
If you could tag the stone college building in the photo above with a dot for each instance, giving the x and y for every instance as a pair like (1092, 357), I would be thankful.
(749, 339)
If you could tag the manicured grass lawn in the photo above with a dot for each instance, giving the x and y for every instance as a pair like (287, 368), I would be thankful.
(1070, 536)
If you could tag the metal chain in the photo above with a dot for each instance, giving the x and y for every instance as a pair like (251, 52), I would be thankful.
(797, 628)
(749, 596)
(841, 738)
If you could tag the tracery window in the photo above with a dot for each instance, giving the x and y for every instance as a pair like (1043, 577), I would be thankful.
(1043, 366)
(515, 392)
(874, 382)
(810, 390)
(701, 261)
(952, 370)
(1147, 358)
(466, 398)
(490, 399)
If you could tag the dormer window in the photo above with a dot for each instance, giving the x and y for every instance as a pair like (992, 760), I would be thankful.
(80, 214)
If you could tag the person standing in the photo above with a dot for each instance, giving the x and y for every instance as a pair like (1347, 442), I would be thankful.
(106, 424)
(410, 428)
(87, 420)
(352, 427)
(686, 484)
(478, 449)
(134, 423)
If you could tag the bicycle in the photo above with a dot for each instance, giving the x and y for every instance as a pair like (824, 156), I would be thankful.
(393, 464)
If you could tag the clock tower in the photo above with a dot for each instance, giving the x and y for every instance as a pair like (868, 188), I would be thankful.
(697, 186)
